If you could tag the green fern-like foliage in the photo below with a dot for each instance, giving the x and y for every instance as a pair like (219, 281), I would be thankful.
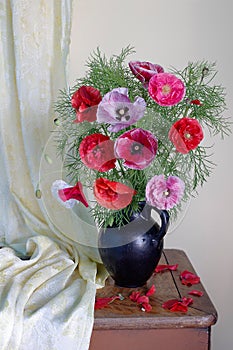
(194, 168)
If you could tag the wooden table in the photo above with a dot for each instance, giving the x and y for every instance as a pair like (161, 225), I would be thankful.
(122, 325)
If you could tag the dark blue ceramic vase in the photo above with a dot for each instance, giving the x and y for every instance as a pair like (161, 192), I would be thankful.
(131, 253)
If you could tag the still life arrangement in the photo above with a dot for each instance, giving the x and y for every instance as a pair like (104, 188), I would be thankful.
(132, 139)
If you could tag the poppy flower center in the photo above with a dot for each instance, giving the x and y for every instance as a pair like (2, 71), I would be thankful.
(97, 151)
(166, 89)
(166, 193)
(187, 135)
(122, 113)
(136, 148)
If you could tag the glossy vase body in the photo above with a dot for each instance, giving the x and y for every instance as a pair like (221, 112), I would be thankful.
(131, 253)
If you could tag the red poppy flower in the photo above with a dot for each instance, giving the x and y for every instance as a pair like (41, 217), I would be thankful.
(97, 152)
(197, 293)
(186, 134)
(75, 192)
(85, 100)
(143, 71)
(111, 194)
(137, 147)
(188, 278)
(162, 268)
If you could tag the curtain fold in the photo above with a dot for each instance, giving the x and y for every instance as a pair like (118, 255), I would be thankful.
(46, 301)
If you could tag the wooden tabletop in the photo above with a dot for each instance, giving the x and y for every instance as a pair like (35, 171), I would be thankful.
(125, 314)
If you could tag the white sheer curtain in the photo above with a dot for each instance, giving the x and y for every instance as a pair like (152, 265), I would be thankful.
(46, 302)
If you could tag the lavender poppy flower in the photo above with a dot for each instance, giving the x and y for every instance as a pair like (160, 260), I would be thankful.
(117, 109)
(164, 194)
(137, 147)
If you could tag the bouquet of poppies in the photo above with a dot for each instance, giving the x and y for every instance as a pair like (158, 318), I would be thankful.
(133, 132)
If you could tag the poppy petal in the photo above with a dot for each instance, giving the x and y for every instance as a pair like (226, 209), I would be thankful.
(134, 296)
(169, 303)
(162, 268)
(179, 307)
(187, 301)
(100, 303)
(151, 291)
(197, 293)
(143, 299)
(188, 278)
(147, 307)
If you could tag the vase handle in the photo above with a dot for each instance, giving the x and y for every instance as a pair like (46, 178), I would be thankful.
(164, 216)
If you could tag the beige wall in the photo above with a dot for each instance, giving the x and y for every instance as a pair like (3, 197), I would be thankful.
(173, 32)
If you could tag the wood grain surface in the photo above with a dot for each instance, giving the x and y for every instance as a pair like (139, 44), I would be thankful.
(125, 314)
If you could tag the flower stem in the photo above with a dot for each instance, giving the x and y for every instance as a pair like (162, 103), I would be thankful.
(104, 130)
(121, 167)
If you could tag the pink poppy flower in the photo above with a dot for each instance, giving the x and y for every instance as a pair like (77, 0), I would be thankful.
(144, 71)
(164, 194)
(166, 89)
(137, 147)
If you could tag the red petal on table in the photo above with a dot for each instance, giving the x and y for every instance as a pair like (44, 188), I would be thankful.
(179, 307)
(188, 278)
(134, 296)
(176, 305)
(100, 303)
(197, 293)
(143, 299)
(187, 301)
(168, 304)
(161, 268)
(147, 307)
(151, 291)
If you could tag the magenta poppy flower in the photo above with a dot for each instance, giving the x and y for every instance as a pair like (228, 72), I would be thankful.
(137, 147)
(166, 89)
(117, 109)
(164, 194)
(144, 71)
